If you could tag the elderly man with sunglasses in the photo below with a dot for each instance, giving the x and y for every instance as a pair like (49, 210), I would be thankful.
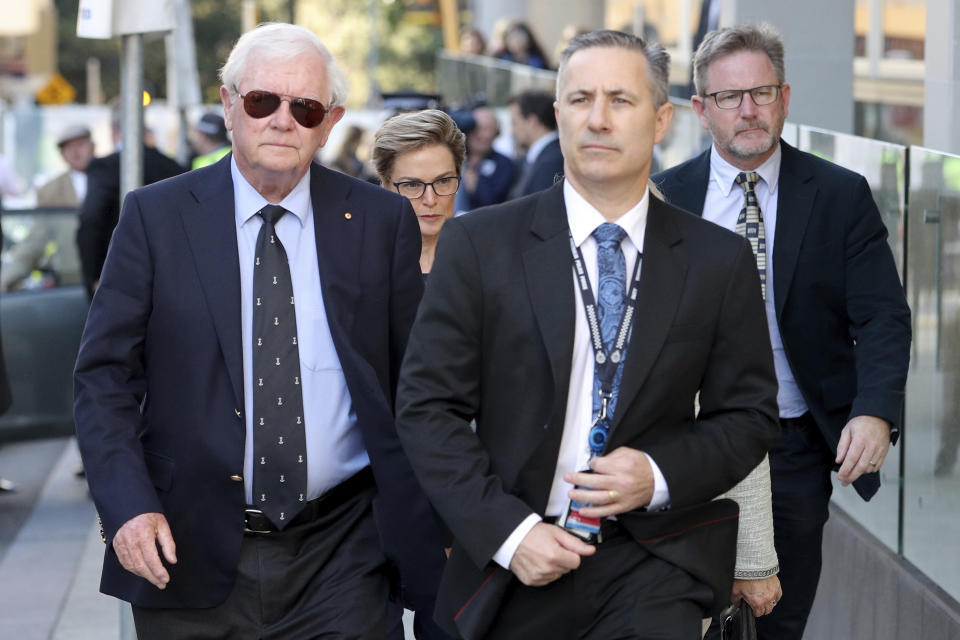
(235, 382)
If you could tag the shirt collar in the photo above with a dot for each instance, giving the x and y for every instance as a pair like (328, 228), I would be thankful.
(538, 146)
(724, 173)
(249, 201)
(583, 217)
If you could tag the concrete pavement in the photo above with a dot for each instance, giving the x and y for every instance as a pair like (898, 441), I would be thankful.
(50, 572)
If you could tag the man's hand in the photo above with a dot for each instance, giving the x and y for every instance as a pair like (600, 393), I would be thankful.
(762, 595)
(136, 547)
(621, 481)
(546, 553)
(864, 443)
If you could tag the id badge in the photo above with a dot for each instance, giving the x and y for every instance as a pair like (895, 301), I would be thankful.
(578, 524)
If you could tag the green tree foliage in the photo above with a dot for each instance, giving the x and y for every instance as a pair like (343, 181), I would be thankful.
(216, 26)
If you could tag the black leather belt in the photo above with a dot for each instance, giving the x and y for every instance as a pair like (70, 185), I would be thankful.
(254, 520)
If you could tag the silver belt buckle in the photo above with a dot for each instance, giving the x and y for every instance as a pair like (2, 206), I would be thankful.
(247, 529)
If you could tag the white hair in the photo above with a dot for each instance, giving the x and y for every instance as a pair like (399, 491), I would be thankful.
(273, 41)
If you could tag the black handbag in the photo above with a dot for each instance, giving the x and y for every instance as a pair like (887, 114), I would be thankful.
(738, 623)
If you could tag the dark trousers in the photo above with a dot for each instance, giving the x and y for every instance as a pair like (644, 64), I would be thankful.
(800, 467)
(620, 593)
(325, 578)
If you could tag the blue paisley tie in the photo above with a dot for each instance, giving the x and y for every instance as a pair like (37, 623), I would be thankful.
(611, 299)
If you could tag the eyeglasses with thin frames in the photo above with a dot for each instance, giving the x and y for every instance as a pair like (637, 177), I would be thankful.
(732, 98)
(307, 112)
(414, 189)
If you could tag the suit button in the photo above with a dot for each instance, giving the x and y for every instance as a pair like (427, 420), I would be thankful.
(237, 478)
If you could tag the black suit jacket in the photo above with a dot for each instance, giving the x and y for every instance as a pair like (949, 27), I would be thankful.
(101, 206)
(493, 341)
(843, 317)
(159, 377)
(545, 170)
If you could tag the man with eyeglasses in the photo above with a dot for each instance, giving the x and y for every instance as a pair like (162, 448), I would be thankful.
(838, 320)
(235, 382)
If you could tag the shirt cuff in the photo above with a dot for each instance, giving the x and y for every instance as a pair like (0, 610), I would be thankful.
(504, 554)
(661, 492)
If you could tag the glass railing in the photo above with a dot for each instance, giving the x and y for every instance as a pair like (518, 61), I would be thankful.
(931, 507)
(884, 166)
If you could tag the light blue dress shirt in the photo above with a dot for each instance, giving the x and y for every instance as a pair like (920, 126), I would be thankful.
(722, 206)
(335, 449)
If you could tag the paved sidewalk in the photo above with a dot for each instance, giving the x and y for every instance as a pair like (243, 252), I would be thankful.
(50, 574)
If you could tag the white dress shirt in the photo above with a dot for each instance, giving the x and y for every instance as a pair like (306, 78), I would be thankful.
(335, 449)
(79, 181)
(583, 218)
(722, 206)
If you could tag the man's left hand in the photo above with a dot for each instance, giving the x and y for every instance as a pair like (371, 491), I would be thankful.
(864, 443)
(621, 481)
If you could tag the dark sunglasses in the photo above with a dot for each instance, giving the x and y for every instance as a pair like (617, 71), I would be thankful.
(260, 104)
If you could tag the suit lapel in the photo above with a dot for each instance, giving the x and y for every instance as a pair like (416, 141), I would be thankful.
(211, 233)
(797, 191)
(339, 233)
(547, 267)
(662, 276)
(691, 190)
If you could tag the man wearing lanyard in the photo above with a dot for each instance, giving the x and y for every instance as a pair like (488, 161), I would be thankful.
(581, 503)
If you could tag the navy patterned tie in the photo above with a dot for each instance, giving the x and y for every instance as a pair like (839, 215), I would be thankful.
(279, 439)
(611, 300)
(750, 224)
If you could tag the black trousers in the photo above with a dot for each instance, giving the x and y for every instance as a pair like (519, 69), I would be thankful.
(326, 578)
(620, 593)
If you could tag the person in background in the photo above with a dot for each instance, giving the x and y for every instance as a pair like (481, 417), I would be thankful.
(347, 159)
(101, 206)
(487, 174)
(521, 46)
(836, 312)
(236, 376)
(41, 258)
(472, 42)
(419, 155)
(10, 184)
(209, 140)
(69, 188)
(533, 125)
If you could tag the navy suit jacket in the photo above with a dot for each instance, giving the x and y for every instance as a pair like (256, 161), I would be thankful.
(545, 170)
(841, 309)
(159, 388)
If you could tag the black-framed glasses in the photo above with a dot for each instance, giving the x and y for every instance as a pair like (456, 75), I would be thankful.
(259, 104)
(731, 98)
(414, 189)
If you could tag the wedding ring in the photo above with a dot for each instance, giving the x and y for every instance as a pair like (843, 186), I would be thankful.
(612, 494)
(873, 463)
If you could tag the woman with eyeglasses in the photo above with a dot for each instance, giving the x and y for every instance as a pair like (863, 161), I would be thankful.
(419, 156)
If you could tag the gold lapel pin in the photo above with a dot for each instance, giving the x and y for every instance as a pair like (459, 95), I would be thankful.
(348, 215)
